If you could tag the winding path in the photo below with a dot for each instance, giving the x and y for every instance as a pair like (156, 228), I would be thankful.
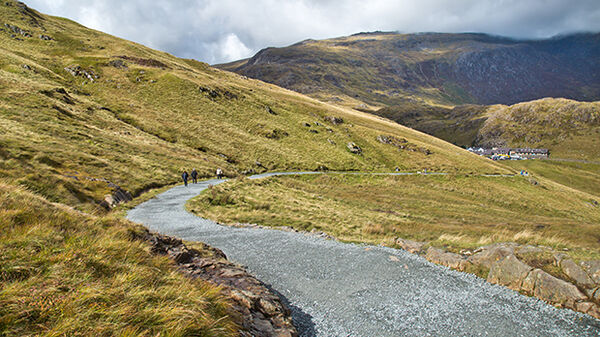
(338, 289)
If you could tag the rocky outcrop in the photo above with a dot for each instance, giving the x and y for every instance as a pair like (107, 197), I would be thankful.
(576, 273)
(593, 270)
(509, 272)
(450, 260)
(352, 147)
(17, 30)
(334, 120)
(402, 144)
(520, 267)
(487, 256)
(413, 247)
(118, 196)
(78, 71)
(260, 312)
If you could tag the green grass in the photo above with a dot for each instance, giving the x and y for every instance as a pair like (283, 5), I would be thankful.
(64, 273)
(454, 211)
(577, 175)
(140, 126)
(570, 129)
(67, 268)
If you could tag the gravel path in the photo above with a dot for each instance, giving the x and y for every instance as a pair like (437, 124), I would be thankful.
(338, 289)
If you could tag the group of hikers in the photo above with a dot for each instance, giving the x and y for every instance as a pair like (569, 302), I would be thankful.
(194, 175)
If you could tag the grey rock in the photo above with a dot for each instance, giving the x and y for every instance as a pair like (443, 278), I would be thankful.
(334, 120)
(576, 273)
(78, 71)
(593, 269)
(509, 272)
(488, 255)
(450, 260)
(528, 249)
(552, 290)
(352, 147)
(410, 246)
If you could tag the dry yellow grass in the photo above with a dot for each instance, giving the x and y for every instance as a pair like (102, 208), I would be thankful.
(64, 273)
(454, 211)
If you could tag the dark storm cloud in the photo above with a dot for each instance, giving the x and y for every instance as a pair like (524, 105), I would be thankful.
(224, 30)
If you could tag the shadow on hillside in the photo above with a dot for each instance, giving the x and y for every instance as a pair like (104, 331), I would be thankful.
(302, 321)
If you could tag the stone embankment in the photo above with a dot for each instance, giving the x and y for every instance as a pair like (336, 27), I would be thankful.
(535, 271)
(260, 312)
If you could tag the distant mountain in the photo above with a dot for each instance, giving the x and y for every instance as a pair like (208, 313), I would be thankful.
(390, 69)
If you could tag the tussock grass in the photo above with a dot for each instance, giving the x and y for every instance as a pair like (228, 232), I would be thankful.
(66, 273)
(453, 211)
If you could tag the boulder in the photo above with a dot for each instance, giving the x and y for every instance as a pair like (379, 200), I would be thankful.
(334, 120)
(509, 272)
(576, 273)
(552, 290)
(594, 311)
(450, 260)
(592, 268)
(413, 247)
(352, 147)
(528, 249)
(488, 255)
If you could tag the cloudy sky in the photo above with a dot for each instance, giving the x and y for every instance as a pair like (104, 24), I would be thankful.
(217, 31)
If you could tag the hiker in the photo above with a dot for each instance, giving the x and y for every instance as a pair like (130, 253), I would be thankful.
(219, 173)
(185, 177)
(194, 176)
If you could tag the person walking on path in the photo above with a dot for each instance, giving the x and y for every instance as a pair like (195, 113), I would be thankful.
(219, 173)
(185, 177)
(194, 176)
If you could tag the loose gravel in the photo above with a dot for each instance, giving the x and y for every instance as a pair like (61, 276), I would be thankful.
(339, 289)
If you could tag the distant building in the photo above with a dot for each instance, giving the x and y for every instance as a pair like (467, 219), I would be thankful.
(499, 153)
(529, 153)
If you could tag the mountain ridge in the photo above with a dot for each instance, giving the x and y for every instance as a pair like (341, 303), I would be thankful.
(390, 68)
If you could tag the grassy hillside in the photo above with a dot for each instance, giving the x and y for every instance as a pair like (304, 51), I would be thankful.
(570, 129)
(82, 112)
(453, 211)
(459, 125)
(77, 105)
(387, 69)
(583, 176)
(65, 273)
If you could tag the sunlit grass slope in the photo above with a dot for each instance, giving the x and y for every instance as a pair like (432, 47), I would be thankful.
(136, 117)
(459, 211)
(64, 273)
(578, 175)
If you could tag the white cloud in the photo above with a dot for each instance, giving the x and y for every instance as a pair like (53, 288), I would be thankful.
(232, 48)
(218, 31)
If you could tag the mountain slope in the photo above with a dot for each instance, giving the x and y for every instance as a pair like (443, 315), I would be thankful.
(570, 129)
(390, 69)
(79, 109)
